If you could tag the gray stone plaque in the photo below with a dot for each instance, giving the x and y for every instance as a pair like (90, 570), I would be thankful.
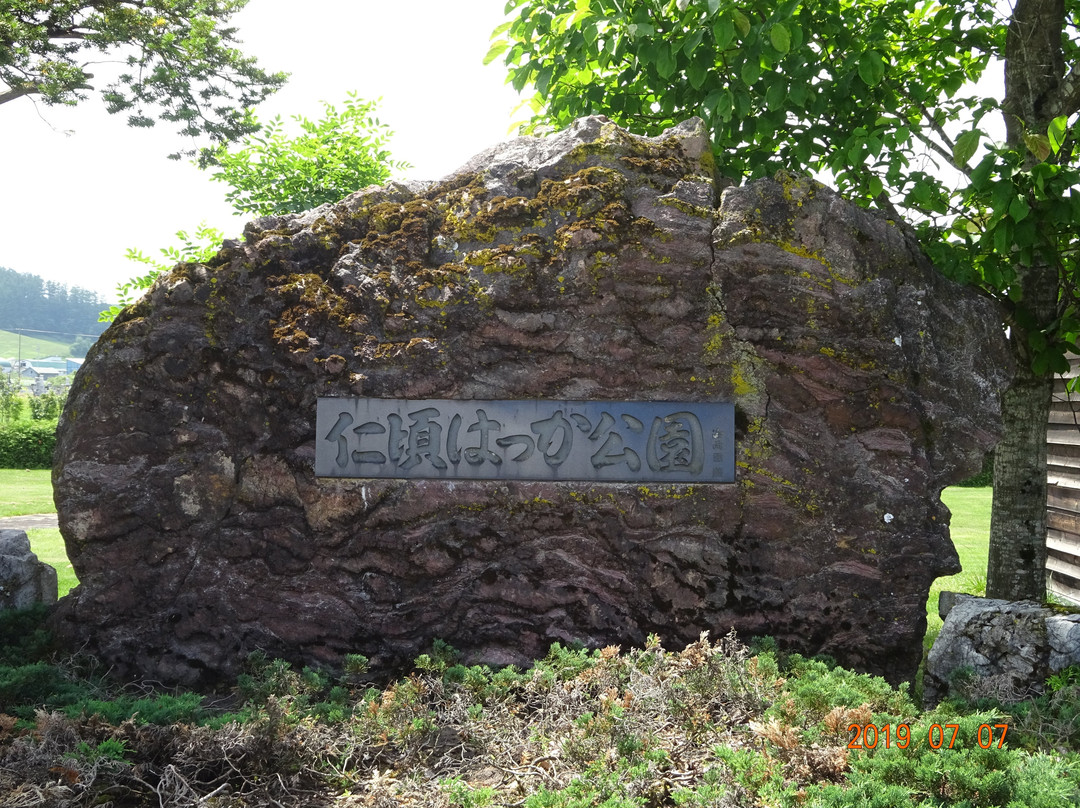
(603, 441)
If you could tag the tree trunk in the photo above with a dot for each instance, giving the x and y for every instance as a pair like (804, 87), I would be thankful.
(1016, 568)
(1017, 561)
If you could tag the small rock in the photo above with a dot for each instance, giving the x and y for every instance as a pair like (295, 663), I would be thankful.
(999, 649)
(24, 581)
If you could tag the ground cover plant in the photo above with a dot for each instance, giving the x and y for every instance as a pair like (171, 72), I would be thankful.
(715, 724)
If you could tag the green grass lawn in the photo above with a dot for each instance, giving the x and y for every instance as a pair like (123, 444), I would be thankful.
(970, 529)
(25, 492)
(28, 492)
(48, 545)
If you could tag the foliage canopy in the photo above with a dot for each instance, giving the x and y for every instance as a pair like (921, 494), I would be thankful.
(181, 63)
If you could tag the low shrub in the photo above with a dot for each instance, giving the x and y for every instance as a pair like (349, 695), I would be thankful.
(945, 763)
(25, 689)
(27, 444)
(23, 636)
(710, 725)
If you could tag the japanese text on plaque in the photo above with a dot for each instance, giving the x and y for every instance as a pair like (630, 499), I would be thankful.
(634, 441)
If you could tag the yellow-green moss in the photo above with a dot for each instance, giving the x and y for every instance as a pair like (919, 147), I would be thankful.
(647, 492)
(740, 387)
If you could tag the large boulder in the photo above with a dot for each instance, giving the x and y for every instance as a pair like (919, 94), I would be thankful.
(24, 580)
(592, 264)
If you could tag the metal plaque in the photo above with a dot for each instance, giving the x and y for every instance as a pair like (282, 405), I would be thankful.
(599, 441)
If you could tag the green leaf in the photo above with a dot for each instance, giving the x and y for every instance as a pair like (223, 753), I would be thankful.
(876, 186)
(1059, 363)
(543, 79)
(665, 61)
(495, 51)
(921, 192)
(648, 52)
(751, 72)
(776, 95)
(982, 171)
(1039, 145)
(1055, 132)
(965, 147)
(780, 38)
(742, 22)
(1019, 209)
(697, 73)
(578, 16)
(724, 104)
(714, 6)
(723, 32)
(871, 68)
(1002, 238)
(1001, 196)
(693, 41)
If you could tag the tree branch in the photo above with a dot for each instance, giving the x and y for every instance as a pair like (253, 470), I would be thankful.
(18, 92)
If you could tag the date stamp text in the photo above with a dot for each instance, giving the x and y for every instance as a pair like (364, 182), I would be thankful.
(938, 736)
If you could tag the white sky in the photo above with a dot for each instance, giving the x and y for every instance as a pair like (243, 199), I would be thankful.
(78, 186)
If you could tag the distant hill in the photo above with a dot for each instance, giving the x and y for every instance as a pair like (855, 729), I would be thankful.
(32, 347)
(60, 315)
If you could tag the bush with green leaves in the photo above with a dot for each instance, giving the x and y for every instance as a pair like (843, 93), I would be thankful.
(23, 637)
(46, 407)
(27, 444)
(271, 172)
(27, 688)
(11, 399)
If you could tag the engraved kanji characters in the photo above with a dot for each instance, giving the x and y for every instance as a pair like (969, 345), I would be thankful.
(675, 443)
(613, 441)
(421, 441)
(613, 450)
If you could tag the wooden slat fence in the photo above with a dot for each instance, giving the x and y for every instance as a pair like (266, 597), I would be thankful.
(1063, 491)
